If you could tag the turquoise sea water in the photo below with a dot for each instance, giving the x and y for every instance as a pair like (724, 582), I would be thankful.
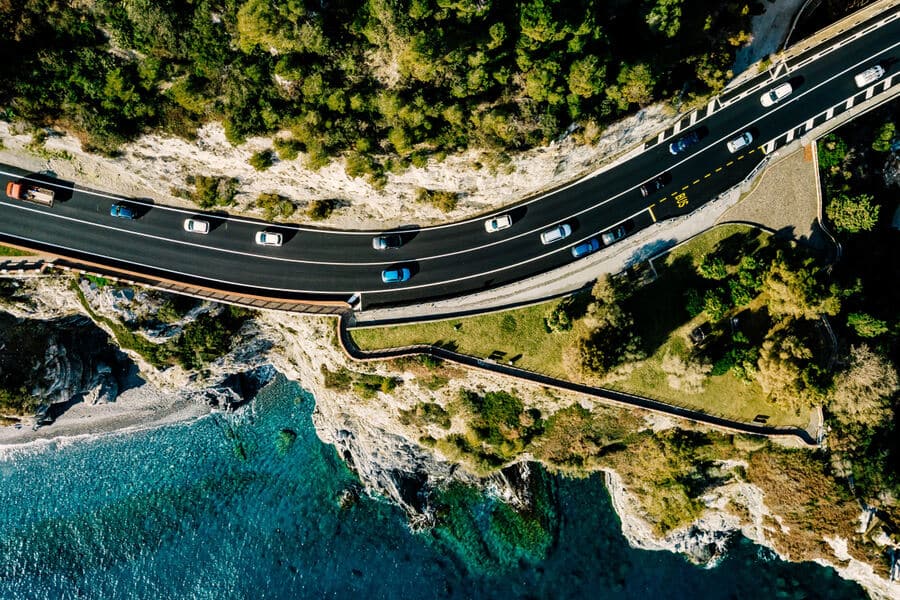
(225, 507)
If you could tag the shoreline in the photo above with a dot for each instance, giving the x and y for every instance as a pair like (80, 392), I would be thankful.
(136, 409)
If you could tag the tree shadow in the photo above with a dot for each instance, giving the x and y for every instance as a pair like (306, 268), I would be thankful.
(736, 246)
(658, 307)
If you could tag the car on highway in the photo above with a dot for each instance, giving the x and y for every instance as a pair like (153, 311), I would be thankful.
(560, 232)
(776, 94)
(196, 226)
(387, 241)
(268, 238)
(497, 223)
(396, 275)
(684, 142)
(653, 185)
(869, 76)
(741, 141)
(613, 235)
(122, 211)
(592, 245)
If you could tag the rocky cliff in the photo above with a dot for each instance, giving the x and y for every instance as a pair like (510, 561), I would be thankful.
(383, 436)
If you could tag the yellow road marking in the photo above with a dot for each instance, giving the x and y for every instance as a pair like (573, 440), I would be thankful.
(684, 188)
(718, 169)
(729, 163)
(707, 176)
(696, 181)
(650, 208)
(741, 157)
(752, 151)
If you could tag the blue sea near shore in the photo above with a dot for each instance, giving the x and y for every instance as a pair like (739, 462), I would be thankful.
(233, 506)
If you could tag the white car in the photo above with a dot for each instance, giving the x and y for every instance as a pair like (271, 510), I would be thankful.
(196, 226)
(497, 223)
(869, 76)
(741, 141)
(267, 238)
(776, 94)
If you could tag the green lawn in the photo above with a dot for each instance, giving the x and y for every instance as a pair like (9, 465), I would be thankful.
(7, 251)
(660, 319)
(516, 333)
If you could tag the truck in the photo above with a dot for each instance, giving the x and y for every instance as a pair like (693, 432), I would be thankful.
(18, 190)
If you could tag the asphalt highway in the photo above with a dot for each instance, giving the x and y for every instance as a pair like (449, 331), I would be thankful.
(457, 258)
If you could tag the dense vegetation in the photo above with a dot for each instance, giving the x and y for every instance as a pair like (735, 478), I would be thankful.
(860, 178)
(410, 78)
(200, 341)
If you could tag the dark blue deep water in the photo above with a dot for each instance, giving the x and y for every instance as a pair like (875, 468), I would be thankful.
(225, 507)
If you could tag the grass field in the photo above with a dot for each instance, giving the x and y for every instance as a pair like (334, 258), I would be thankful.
(660, 318)
(7, 251)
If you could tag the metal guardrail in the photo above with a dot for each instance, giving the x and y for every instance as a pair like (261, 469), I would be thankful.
(607, 395)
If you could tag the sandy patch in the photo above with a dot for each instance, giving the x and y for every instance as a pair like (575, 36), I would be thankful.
(138, 408)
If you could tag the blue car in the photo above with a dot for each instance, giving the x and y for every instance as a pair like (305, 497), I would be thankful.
(123, 211)
(592, 245)
(397, 275)
(684, 142)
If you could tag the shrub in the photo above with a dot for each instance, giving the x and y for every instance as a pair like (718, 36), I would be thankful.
(713, 268)
(275, 206)
(262, 160)
(288, 148)
(693, 302)
(445, 201)
(320, 210)
(852, 214)
(213, 191)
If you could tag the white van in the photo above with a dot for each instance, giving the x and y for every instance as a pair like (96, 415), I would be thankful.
(869, 76)
(560, 232)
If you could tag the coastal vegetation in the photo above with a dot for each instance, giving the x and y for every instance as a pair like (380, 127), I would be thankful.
(385, 84)
(740, 336)
(200, 340)
(860, 179)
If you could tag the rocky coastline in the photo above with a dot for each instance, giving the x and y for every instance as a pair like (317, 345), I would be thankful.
(366, 432)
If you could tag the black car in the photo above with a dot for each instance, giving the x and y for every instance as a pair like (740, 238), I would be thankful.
(653, 185)
(684, 142)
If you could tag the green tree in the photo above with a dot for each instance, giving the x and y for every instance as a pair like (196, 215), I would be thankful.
(799, 290)
(587, 76)
(852, 214)
(884, 137)
(783, 365)
(665, 17)
(634, 85)
(280, 27)
(866, 326)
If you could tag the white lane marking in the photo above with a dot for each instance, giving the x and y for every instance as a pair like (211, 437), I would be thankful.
(790, 136)
(479, 218)
(597, 205)
(562, 248)
(829, 113)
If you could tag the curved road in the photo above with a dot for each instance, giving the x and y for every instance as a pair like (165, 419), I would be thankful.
(460, 258)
